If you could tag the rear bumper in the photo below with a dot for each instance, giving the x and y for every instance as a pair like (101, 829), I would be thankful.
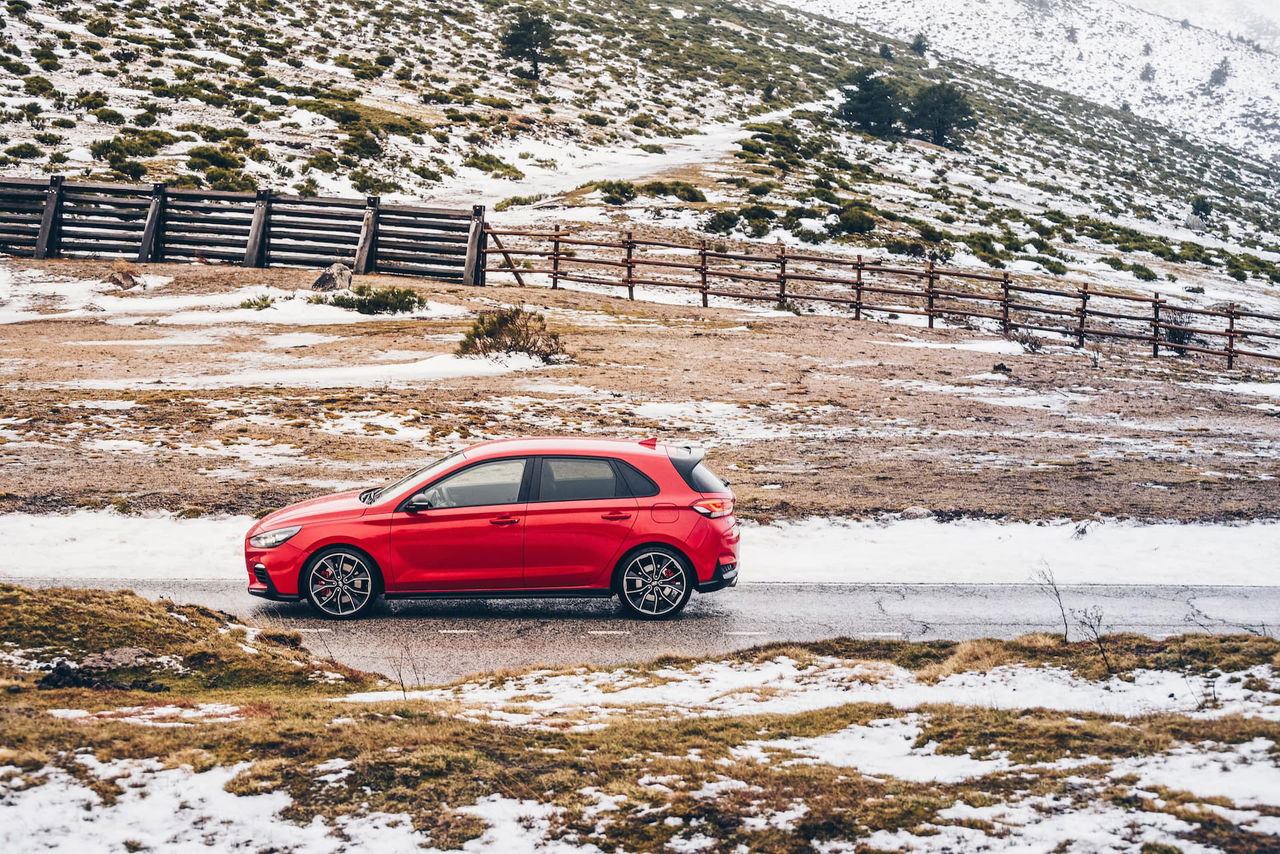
(726, 575)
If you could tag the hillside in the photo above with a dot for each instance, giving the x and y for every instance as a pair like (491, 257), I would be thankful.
(1106, 51)
(710, 121)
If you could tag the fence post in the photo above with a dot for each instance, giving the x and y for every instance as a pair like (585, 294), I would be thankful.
(47, 243)
(1231, 336)
(929, 278)
(1004, 303)
(367, 245)
(1155, 324)
(702, 271)
(857, 289)
(150, 249)
(555, 259)
(782, 272)
(255, 250)
(477, 244)
(1084, 313)
(630, 255)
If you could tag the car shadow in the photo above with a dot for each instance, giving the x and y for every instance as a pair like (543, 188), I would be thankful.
(593, 610)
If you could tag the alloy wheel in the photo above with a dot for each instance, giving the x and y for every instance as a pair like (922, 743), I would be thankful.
(654, 583)
(341, 584)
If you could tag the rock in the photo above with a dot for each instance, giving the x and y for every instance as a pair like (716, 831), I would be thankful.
(120, 656)
(1196, 224)
(916, 513)
(336, 277)
(123, 279)
(1001, 368)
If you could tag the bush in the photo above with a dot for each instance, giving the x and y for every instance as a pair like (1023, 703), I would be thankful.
(368, 300)
(108, 116)
(495, 166)
(511, 330)
(23, 151)
(855, 221)
(682, 190)
(205, 157)
(616, 192)
(258, 303)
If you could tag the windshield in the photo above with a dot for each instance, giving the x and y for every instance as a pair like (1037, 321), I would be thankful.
(369, 496)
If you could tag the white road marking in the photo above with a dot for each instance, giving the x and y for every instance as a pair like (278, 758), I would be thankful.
(459, 631)
(745, 634)
(611, 632)
(312, 631)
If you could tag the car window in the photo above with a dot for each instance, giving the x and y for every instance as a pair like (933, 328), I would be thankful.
(496, 482)
(704, 479)
(639, 482)
(578, 479)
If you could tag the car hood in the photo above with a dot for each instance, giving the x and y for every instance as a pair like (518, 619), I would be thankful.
(324, 508)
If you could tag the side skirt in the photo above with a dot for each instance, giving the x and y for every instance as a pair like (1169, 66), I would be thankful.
(549, 593)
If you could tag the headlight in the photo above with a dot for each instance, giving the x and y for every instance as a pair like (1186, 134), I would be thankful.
(271, 539)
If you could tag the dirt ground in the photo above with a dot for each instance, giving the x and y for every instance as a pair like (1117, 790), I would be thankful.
(806, 415)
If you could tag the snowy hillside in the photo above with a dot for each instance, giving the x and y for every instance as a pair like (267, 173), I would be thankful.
(1255, 20)
(1099, 50)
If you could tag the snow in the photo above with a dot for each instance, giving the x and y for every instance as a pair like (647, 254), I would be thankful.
(581, 700)
(174, 810)
(882, 747)
(1246, 775)
(105, 544)
(1103, 64)
(437, 367)
(986, 551)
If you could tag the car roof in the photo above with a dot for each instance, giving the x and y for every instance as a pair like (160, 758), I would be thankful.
(570, 445)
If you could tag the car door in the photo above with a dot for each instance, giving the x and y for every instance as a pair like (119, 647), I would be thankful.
(579, 517)
(471, 537)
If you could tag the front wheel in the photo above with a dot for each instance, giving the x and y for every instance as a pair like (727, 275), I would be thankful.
(341, 583)
(654, 583)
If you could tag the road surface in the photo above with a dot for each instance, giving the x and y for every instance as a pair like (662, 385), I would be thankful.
(442, 640)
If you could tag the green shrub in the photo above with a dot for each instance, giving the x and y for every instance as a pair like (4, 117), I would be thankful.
(511, 330)
(682, 190)
(1143, 273)
(259, 302)
(108, 116)
(205, 157)
(368, 300)
(616, 192)
(495, 166)
(595, 120)
(24, 151)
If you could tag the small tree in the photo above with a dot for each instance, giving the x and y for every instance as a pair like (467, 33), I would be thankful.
(1202, 207)
(1148, 73)
(1073, 35)
(1220, 74)
(942, 112)
(871, 103)
(529, 37)
(886, 52)
(920, 44)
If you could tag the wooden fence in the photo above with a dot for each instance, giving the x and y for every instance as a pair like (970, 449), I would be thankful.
(870, 287)
(56, 218)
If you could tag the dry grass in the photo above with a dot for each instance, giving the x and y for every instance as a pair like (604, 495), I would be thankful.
(973, 655)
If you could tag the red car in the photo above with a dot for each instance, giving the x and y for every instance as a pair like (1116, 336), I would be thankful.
(517, 517)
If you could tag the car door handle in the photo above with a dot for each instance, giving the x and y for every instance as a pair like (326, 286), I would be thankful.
(504, 520)
(617, 517)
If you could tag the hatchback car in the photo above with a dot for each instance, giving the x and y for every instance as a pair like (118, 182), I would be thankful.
(645, 521)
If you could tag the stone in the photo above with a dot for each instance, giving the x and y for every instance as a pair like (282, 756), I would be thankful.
(336, 277)
(120, 656)
(123, 279)
(916, 513)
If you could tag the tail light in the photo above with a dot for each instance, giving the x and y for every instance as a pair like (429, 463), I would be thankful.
(714, 508)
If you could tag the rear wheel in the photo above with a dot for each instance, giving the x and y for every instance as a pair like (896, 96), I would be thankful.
(341, 583)
(654, 583)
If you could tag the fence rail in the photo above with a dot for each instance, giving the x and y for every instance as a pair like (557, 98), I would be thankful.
(153, 222)
(871, 287)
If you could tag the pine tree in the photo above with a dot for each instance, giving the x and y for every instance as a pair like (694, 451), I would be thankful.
(871, 103)
(886, 52)
(942, 112)
(1148, 73)
(1220, 74)
(1201, 207)
(529, 37)
(920, 44)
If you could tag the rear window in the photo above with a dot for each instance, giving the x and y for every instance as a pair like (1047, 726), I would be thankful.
(578, 479)
(637, 482)
(703, 479)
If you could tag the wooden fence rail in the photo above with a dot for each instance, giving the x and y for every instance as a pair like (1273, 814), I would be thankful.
(56, 218)
(869, 286)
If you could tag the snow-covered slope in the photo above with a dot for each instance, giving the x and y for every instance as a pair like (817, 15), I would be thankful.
(1255, 20)
(1099, 50)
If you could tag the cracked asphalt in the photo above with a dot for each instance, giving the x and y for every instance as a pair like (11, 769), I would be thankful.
(427, 642)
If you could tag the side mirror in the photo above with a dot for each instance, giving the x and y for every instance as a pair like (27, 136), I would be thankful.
(417, 503)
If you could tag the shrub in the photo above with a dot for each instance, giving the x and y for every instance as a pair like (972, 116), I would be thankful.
(511, 330)
(23, 151)
(855, 221)
(682, 190)
(258, 303)
(368, 300)
(595, 120)
(495, 166)
(616, 192)
(1143, 273)
(108, 116)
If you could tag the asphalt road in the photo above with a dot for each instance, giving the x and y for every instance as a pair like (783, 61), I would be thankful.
(440, 640)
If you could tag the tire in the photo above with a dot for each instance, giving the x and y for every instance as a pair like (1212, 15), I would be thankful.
(341, 583)
(653, 583)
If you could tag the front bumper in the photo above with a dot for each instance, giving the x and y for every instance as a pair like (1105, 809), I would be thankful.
(260, 584)
(726, 575)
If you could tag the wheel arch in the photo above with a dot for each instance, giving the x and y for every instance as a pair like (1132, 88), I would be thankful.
(380, 583)
(616, 575)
